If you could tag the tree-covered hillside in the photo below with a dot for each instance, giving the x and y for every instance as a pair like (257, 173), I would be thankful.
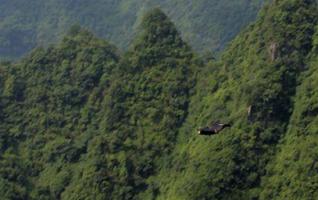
(259, 71)
(206, 24)
(83, 120)
(80, 121)
(292, 174)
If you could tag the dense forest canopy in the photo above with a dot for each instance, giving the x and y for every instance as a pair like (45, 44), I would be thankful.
(82, 119)
(205, 24)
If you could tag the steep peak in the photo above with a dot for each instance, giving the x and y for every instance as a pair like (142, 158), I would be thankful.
(80, 38)
(79, 31)
(80, 41)
(157, 30)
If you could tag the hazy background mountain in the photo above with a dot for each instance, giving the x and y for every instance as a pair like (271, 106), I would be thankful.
(205, 24)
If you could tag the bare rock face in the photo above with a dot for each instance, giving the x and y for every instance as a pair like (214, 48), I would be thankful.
(273, 53)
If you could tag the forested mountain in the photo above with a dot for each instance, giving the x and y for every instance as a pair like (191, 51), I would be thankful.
(260, 70)
(83, 120)
(205, 24)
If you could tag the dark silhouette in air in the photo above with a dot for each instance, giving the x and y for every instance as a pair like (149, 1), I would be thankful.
(214, 129)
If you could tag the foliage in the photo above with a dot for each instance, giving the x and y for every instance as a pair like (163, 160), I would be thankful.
(80, 120)
(232, 165)
(85, 117)
(293, 172)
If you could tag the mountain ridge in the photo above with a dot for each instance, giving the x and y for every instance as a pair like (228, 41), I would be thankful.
(206, 25)
(81, 120)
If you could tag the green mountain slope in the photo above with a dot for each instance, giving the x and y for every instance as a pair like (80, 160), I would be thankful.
(292, 174)
(84, 123)
(206, 24)
(258, 71)
(53, 95)
(79, 120)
